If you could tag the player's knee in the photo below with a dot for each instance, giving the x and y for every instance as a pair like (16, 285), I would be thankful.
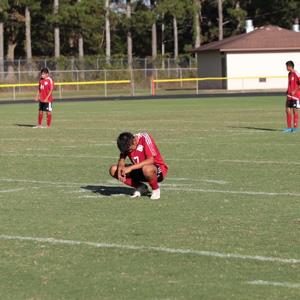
(149, 171)
(113, 170)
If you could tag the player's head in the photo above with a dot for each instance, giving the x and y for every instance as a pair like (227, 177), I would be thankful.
(44, 72)
(125, 142)
(289, 65)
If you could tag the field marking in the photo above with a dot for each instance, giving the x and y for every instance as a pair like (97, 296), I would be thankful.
(166, 186)
(39, 181)
(237, 161)
(176, 188)
(11, 190)
(197, 180)
(153, 249)
(275, 283)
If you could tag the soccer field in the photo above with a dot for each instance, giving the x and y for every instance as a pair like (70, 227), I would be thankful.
(226, 227)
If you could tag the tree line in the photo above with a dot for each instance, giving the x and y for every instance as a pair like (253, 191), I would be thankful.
(129, 28)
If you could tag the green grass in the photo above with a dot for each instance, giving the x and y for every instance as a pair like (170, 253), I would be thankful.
(233, 188)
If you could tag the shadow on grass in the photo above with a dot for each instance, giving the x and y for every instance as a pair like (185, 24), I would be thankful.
(108, 190)
(257, 128)
(25, 125)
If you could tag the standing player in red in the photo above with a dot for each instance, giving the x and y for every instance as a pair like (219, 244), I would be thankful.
(292, 100)
(45, 97)
(147, 164)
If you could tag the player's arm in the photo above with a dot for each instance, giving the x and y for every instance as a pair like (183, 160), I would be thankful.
(148, 161)
(121, 168)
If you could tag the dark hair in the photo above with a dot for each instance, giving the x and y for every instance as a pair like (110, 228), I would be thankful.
(290, 64)
(124, 141)
(45, 70)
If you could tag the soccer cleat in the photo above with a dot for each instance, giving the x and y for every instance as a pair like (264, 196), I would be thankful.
(38, 126)
(155, 194)
(141, 190)
(295, 130)
(287, 130)
(136, 194)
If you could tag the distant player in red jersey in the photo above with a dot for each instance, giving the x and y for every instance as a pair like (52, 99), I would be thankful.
(147, 164)
(293, 97)
(45, 97)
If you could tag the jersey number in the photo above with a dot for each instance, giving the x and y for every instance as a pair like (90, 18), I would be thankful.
(136, 159)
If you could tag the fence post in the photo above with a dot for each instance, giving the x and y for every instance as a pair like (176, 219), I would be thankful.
(77, 79)
(60, 92)
(19, 74)
(105, 84)
(152, 83)
(132, 82)
(181, 82)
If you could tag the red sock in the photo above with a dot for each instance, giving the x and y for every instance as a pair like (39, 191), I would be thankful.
(131, 183)
(289, 120)
(296, 119)
(49, 118)
(153, 183)
(40, 118)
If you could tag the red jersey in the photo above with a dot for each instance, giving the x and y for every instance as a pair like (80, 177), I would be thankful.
(45, 86)
(146, 148)
(294, 83)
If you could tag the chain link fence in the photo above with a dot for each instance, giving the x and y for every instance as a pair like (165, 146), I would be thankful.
(95, 69)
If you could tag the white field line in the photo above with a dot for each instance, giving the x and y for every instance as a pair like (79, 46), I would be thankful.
(274, 283)
(199, 190)
(11, 190)
(166, 186)
(237, 161)
(153, 249)
(57, 183)
(197, 180)
(56, 155)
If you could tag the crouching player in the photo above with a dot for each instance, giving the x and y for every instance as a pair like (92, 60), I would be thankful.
(147, 164)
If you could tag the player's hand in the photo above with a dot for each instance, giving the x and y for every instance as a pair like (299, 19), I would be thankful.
(121, 174)
(293, 93)
(128, 170)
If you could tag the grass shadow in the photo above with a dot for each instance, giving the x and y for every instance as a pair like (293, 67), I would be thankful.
(108, 190)
(25, 125)
(257, 128)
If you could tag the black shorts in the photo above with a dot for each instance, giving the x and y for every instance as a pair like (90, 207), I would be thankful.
(292, 104)
(137, 175)
(45, 106)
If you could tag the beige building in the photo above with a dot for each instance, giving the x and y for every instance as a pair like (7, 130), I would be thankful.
(254, 60)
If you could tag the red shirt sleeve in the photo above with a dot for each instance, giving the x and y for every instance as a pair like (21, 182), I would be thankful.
(149, 146)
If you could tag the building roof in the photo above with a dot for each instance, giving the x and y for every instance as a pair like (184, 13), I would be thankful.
(266, 38)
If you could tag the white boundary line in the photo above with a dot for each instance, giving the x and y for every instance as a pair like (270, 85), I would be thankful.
(166, 186)
(54, 241)
(237, 161)
(274, 283)
(177, 188)
(197, 180)
(11, 190)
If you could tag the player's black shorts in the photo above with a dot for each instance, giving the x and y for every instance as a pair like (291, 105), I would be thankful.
(45, 106)
(137, 175)
(292, 104)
